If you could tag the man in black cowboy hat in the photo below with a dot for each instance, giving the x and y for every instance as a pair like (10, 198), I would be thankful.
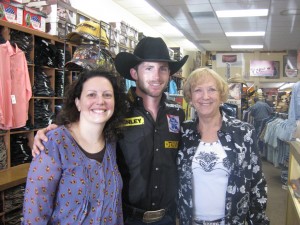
(147, 153)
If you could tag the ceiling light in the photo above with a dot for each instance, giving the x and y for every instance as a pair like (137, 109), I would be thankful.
(286, 85)
(245, 34)
(290, 12)
(242, 13)
(246, 46)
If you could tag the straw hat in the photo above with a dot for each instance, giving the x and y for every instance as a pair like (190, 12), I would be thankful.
(237, 78)
(88, 30)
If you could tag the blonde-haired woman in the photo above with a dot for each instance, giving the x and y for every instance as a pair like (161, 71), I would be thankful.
(220, 174)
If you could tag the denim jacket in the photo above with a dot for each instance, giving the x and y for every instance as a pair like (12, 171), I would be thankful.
(246, 196)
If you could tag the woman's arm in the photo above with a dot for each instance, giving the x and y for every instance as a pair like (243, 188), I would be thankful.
(42, 182)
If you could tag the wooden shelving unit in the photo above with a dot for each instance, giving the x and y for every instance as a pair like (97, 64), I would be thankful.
(293, 203)
(13, 176)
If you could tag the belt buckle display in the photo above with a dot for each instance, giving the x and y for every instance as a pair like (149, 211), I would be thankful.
(153, 216)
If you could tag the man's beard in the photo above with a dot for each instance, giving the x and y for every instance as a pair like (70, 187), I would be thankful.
(146, 90)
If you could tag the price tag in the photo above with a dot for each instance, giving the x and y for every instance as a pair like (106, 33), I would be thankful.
(13, 99)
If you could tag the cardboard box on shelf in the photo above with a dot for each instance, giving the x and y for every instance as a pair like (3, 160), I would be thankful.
(60, 28)
(21, 1)
(56, 10)
(11, 13)
(34, 19)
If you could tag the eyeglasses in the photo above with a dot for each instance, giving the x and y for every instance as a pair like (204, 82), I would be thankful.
(201, 91)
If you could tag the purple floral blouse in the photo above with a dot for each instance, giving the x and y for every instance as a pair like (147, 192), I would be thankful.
(65, 187)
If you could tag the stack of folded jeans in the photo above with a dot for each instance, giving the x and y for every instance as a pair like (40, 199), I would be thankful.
(44, 53)
(3, 154)
(62, 57)
(42, 84)
(59, 83)
(14, 217)
(13, 198)
(20, 150)
(43, 115)
(23, 41)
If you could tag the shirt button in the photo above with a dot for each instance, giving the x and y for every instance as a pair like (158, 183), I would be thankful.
(156, 149)
(153, 203)
(156, 168)
(155, 187)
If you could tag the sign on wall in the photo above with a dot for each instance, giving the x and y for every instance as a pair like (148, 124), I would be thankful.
(264, 68)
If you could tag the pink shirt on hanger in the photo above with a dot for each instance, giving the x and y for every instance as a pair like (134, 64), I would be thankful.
(15, 91)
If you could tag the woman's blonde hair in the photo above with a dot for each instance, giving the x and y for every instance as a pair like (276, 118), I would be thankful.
(200, 76)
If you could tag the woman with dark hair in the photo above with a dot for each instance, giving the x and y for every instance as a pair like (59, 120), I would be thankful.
(76, 179)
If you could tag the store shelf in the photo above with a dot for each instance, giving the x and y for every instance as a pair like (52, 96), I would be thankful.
(13, 176)
(293, 204)
(295, 150)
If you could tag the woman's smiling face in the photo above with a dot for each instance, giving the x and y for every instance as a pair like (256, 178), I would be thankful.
(205, 97)
(97, 102)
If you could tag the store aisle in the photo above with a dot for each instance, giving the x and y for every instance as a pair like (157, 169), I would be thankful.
(277, 197)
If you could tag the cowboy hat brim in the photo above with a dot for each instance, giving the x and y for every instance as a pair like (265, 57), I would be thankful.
(124, 61)
(77, 37)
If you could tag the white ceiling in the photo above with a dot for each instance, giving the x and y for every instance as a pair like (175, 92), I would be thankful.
(207, 32)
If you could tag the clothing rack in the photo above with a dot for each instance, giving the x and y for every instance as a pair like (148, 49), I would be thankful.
(280, 115)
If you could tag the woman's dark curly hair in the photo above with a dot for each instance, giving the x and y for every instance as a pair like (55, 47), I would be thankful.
(70, 114)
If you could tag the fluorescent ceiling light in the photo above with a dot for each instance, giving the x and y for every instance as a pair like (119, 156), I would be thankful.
(286, 86)
(242, 13)
(246, 46)
(245, 34)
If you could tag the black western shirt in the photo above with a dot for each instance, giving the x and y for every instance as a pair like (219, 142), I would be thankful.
(147, 154)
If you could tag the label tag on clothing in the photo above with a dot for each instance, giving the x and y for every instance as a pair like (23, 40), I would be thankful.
(13, 99)
(133, 121)
(174, 123)
(171, 144)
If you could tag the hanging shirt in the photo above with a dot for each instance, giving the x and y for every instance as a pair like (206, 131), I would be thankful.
(15, 90)
(172, 87)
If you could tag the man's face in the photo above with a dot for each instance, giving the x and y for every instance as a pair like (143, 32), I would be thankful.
(151, 78)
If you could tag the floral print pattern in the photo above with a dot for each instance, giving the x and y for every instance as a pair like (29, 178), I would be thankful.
(65, 187)
(246, 196)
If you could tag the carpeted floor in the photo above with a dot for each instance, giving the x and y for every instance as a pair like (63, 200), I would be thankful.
(277, 197)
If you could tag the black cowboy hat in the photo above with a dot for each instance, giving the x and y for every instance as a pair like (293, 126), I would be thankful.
(148, 49)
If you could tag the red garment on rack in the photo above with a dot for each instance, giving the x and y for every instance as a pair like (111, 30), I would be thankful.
(15, 87)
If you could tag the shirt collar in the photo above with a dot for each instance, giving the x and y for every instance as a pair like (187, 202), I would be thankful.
(12, 49)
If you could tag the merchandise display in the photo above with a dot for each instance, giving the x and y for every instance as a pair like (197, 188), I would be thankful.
(293, 199)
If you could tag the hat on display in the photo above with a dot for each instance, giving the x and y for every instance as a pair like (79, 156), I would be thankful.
(90, 57)
(148, 49)
(237, 78)
(88, 30)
